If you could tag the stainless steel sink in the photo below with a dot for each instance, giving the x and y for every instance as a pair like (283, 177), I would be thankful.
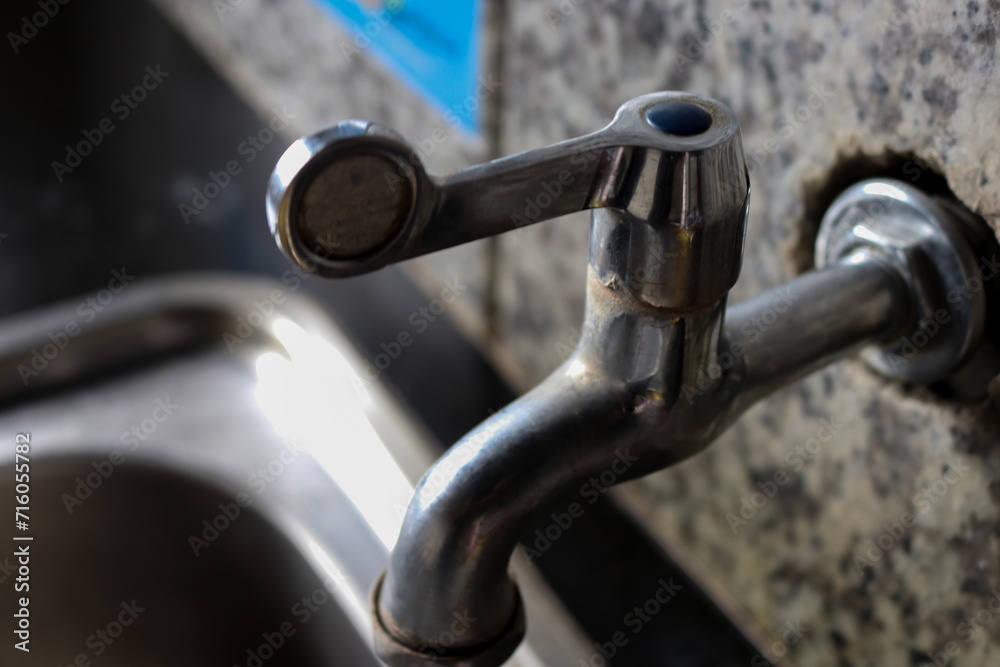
(121, 565)
(208, 486)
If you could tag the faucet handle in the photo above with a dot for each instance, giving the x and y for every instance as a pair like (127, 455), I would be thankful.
(355, 197)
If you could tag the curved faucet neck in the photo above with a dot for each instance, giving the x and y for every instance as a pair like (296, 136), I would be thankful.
(617, 398)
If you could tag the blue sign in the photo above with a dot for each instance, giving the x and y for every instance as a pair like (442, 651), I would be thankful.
(433, 45)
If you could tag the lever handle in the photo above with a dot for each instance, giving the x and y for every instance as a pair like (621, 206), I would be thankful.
(356, 197)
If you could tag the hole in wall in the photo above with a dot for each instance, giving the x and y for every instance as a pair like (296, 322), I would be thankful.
(849, 169)
(972, 382)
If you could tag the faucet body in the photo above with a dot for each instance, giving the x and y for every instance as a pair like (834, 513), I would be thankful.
(645, 388)
(663, 367)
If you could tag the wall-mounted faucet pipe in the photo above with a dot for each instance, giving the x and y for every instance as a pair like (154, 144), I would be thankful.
(662, 368)
(815, 319)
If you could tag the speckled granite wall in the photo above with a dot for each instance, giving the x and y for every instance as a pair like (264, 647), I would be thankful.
(882, 545)
(814, 84)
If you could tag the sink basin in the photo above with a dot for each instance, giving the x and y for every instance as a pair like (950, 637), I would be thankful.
(151, 541)
(208, 485)
(118, 580)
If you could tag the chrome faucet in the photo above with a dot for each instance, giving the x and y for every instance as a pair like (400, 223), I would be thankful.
(663, 367)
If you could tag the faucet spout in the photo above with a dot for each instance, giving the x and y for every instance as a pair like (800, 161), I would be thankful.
(614, 407)
(451, 559)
